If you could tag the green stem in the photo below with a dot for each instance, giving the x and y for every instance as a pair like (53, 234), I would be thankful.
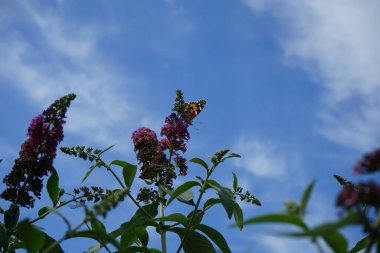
(162, 214)
(194, 212)
(59, 206)
(128, 192)
(115, 176)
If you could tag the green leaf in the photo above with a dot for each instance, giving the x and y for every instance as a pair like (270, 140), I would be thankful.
(4, 239)
(200, 162)
(336, 242)
(306, 196)
(327, 228)
(215, 236)
(142, 235)
(181, 189)
(129, 171)
(32, 238)
(362, 244)
(52, 187)
(97, 225)
(176, 217)
(210, 202)
(11, 217)
(128, 237)
(194, 242)
(186, 197)
(234, 185)
(90, 170)
(133, 235)
(238, 215)
(45, 210)
(105, 150)
(141, 219)
(278, 218)
(230, 156)
(226, 197)
(49, 242)
(197, 219)
(96, 235)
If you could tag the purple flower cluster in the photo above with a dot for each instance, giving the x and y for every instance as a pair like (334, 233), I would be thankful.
(370, 163)
(364, 194)
(36, 156)
(149, 155)
(361, 194)
(175, 135)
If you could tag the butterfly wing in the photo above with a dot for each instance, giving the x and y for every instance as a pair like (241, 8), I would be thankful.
(192, 109)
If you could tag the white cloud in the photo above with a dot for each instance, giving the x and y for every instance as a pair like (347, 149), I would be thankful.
(62, 56)
(259, 157)
(338, 43)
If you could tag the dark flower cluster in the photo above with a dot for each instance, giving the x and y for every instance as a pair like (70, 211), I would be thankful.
(370, 163)
(147, 195)
(37, 153)
(362, 194)
(151, 158)
(363, 197)
(247, 196)
(82, 152)
(152, 154)
(175, 135)
(93, 193)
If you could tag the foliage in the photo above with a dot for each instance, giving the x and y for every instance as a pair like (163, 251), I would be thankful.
(360, 203)
(160, 162)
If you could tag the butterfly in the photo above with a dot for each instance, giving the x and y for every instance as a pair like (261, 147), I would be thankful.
(192, 109)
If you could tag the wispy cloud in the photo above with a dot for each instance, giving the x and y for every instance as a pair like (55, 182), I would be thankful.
(259, 157)
(63, 56)
(337, 43)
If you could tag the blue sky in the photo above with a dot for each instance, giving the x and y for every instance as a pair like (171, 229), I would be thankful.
(290, 85)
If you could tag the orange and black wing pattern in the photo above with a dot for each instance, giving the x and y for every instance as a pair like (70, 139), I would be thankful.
(192, 109)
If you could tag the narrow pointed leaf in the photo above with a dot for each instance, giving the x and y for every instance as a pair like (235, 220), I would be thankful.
(215, 236)
(336, 242)
(194, 242)
(210, 202)
(200, 162)
(129, 171)
(306, 196)
(360, 245)
(105, 150)
(235, 182)
(176, 217)
(278, 218)
(181, 189)
(238, 215)
(226, 197)
(32, 238)
(49, 242)
(52, 187)
(90, 170)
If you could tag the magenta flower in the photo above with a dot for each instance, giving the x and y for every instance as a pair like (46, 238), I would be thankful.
(175, 135)
(370, 163)
(37, 153)
(152, 159)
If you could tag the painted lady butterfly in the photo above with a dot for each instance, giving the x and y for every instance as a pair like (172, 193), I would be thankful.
(192, 109)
